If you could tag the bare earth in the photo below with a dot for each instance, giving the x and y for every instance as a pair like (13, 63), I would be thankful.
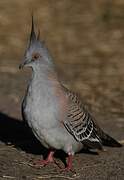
(86, 39)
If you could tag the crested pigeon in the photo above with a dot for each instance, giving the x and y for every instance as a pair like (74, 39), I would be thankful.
(55, 114)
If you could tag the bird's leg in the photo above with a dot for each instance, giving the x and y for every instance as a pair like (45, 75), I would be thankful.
(46, 161)
(69, 163)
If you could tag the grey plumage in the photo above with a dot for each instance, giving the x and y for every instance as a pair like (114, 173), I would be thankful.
(54, 113)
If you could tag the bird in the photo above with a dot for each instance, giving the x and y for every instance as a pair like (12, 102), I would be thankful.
(55, 114)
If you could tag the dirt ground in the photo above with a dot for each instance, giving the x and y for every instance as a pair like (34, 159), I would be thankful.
(86, 39)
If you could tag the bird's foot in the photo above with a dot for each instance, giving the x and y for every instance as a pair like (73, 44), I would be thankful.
(47, 161)
(43, 162)
(69, 165)
(66, 169)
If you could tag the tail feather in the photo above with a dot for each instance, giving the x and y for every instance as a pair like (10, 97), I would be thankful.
(109, 141)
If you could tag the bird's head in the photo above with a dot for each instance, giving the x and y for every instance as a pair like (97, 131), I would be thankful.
(36, 53)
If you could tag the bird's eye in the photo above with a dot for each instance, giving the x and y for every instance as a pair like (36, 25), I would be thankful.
(35, 56)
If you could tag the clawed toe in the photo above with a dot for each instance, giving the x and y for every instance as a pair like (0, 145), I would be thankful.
(41, 163)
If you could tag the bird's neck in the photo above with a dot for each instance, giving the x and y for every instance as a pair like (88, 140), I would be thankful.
(44, 79)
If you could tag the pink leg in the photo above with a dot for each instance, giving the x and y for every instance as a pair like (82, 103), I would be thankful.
(48, 160)
(69, 164)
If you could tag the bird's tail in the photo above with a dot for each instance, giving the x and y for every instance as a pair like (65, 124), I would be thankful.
(109, 141)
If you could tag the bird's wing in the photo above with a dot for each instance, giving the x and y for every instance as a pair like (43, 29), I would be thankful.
(80, 123)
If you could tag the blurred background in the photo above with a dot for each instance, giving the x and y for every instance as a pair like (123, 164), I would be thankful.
(86, 40)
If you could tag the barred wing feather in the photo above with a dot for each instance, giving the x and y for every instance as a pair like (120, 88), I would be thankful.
(80, 123)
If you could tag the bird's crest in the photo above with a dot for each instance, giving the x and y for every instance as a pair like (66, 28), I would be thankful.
(32, 35)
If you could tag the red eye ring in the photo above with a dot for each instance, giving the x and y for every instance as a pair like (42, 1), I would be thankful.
(35, 56)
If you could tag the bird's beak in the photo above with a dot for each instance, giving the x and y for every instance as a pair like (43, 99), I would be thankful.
(21, 66)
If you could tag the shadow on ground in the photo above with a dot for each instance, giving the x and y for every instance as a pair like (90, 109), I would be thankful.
(13, 131)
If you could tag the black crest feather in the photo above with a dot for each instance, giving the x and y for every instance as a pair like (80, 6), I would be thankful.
(32, 35)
